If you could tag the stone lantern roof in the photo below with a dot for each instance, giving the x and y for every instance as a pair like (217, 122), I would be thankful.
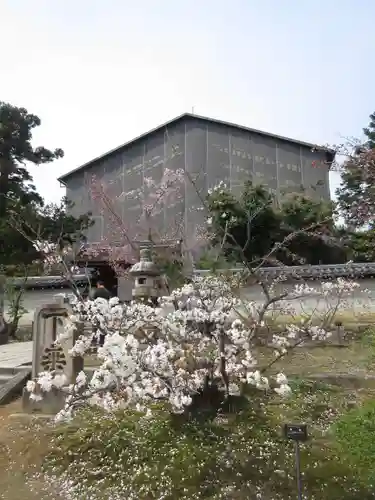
(146, 266)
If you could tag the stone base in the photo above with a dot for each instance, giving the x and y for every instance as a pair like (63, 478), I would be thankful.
(13, 387)
(51, 403)
(4, 332)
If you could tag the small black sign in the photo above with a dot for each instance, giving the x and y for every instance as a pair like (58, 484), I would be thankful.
(296, 432)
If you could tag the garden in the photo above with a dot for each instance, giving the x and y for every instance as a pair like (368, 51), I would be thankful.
(190, 393)
(190, 403)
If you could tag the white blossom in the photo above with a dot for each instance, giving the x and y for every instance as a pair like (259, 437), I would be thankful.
(81, 379)
(31, 386)
(281, 379)
(283, 390)
(202, 331)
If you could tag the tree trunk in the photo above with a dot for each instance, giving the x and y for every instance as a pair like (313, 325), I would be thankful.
(4, 336)
(5, 171)
(13, 325)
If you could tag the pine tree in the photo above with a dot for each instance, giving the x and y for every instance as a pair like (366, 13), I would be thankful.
(16, 150)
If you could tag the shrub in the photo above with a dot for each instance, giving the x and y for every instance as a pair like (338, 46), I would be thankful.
(127, 456)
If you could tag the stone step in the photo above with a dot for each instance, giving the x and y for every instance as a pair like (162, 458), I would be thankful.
(4, 377)
(8, 370)
(7, 373)
(11, 385)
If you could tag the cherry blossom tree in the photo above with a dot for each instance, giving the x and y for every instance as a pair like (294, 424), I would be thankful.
(201, 337)
(154, 197)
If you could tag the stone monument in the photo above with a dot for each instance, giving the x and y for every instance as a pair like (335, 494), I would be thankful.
(51, 357)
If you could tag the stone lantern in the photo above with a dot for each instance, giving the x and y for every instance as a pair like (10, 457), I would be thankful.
(147, 277)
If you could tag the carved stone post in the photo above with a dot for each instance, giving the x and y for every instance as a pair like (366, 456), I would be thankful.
(49, 357)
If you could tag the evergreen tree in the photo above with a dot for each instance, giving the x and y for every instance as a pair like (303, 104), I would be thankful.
(361, 245)
(370, 132)
(356, 194)
(22, 210)
(251, 227)
(16, 150)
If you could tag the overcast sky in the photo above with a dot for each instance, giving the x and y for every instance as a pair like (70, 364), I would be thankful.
(100, 72)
